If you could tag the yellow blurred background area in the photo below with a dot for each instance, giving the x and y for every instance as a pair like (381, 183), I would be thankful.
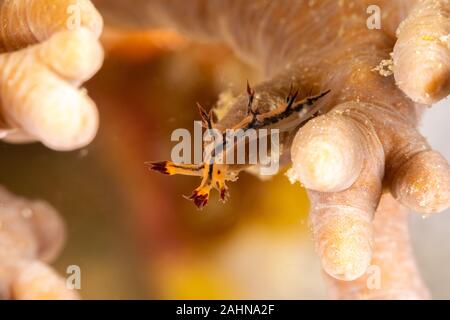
(130, 230)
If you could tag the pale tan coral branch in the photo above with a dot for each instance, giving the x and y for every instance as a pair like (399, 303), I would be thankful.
(39, 91)
(58, 51)
(341, 160)
(422, 52)
(31, 234)
(393, 273)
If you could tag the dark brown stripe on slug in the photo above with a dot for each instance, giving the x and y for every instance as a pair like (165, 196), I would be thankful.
(290, 109)
(160, 167)
(210, 171)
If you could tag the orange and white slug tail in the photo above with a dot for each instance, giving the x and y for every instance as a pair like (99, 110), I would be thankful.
(171, 168)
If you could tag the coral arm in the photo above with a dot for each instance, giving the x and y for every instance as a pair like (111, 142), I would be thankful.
(393, 273)
(34, 21)
(369, 135)
(422, 52)
(42, 69)
(31, 235)
(39, 89)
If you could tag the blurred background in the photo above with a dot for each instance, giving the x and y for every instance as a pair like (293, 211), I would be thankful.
(130, 230)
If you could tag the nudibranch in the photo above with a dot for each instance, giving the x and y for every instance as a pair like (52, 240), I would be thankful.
(287, 116)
